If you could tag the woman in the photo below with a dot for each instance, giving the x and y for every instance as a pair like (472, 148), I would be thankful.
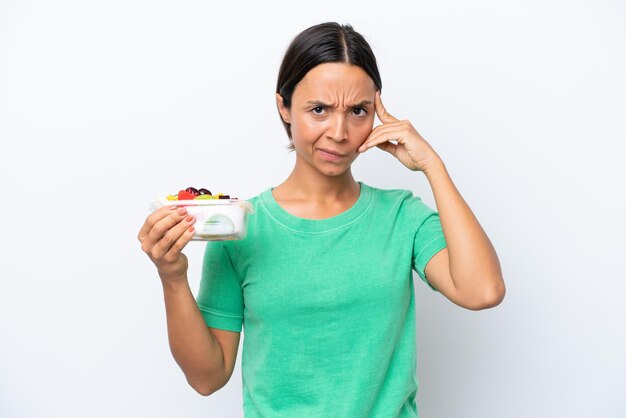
(323, 281)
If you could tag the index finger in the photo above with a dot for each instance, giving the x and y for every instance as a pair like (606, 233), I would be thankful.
(383, 115)
(154, 217)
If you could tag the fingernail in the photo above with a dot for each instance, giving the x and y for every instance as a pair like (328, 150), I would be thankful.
(172, 207)
(191, 229)
(189, 218)
(182, 211)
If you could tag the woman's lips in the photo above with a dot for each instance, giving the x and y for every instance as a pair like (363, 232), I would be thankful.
(329, 155)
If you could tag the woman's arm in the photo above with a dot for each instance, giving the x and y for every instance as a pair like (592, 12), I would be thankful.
(468, 271)
(197, 350)
(194, 347)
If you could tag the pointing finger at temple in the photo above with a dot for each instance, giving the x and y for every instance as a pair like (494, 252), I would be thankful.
(382, 113)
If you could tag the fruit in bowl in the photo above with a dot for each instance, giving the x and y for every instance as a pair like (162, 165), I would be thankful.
(217, 217)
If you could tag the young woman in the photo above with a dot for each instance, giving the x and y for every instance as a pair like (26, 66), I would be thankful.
(323, 283)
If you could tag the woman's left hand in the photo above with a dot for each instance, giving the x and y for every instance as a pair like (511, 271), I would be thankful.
(411, 149)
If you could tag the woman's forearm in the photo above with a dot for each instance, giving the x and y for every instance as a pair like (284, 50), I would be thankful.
(474, 264)
(194, 347)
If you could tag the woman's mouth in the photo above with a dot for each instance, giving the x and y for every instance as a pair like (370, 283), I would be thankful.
(330, 155)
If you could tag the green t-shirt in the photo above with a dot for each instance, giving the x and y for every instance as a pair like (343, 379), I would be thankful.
(327, 306)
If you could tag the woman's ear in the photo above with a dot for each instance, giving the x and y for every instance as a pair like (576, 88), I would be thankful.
(284, 112)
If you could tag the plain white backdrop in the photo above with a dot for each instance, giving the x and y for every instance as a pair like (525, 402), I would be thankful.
(106, 105)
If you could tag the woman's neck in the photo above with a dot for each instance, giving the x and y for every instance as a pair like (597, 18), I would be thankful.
(305, 183)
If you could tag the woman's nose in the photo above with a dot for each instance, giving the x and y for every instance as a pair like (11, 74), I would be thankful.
(338, 128)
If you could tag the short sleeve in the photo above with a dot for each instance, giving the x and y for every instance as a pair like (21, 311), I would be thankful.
(220, 297)
(428, 239)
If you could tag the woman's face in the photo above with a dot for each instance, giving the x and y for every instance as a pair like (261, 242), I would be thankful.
(331, 115)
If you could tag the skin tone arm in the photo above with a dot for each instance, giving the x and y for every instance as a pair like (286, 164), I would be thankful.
(468, 271)
(195, 347)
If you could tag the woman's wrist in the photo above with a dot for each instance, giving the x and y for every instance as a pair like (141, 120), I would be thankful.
(174, 282)
(434, 167)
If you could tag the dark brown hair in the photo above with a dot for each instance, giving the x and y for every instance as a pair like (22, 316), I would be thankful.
(325, 42)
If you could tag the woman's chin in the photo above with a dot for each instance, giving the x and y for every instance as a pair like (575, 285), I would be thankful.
(334, 171)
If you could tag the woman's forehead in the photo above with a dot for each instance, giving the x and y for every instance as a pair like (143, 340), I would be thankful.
(335, 81)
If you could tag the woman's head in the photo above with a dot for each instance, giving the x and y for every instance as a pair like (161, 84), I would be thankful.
(324, 43)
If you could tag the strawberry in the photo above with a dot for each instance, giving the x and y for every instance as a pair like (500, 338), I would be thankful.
(185, 195)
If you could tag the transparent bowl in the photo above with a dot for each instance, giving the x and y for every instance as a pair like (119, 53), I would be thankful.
(216, 219)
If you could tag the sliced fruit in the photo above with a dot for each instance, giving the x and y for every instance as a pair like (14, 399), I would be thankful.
(192, 190)
(185, 195)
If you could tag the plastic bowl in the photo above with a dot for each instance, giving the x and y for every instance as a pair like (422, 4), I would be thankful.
(216, 219)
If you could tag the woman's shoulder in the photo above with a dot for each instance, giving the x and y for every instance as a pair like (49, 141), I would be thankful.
(391, 195)
(256, 199)
(403, 202)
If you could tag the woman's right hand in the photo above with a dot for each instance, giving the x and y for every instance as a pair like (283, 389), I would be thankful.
(163, 236)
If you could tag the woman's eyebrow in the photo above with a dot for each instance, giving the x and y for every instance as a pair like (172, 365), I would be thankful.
(320, 103)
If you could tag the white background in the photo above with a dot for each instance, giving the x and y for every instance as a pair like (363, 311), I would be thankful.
(106, 105)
